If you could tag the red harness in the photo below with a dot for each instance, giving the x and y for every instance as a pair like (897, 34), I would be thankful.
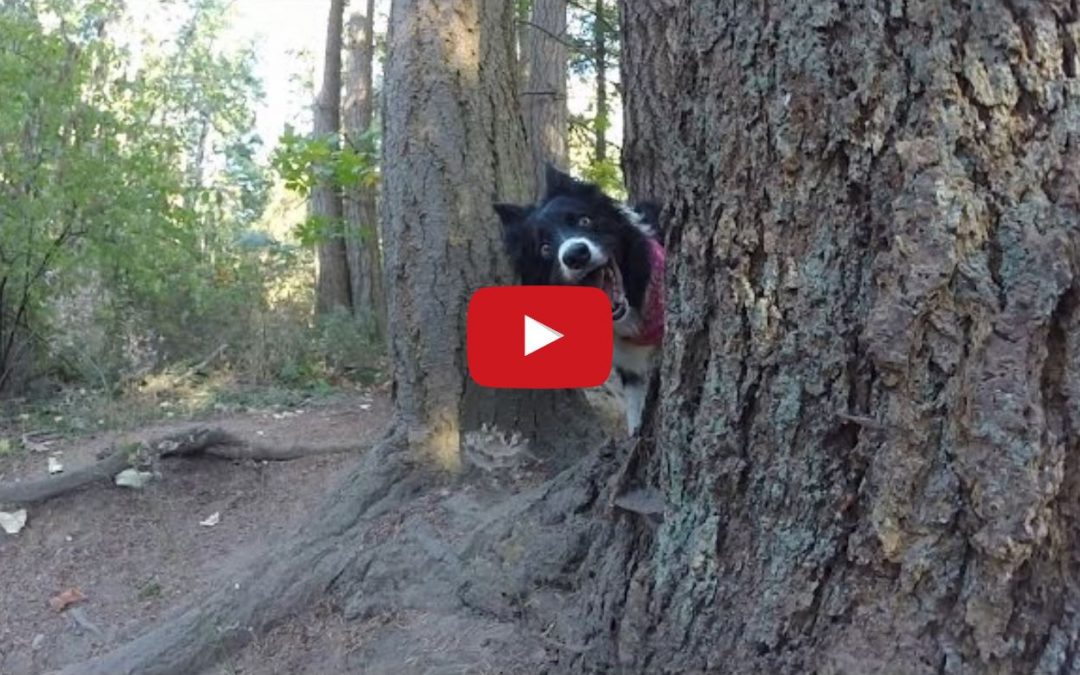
(652, 319)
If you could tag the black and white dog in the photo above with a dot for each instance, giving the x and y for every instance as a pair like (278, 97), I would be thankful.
(578, 235)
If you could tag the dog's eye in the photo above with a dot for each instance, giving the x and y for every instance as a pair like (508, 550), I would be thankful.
(545, 250)
(584, 221)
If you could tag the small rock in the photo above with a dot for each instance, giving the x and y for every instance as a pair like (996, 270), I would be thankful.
(38, 640)
(55, 466)
(13, 522)
(133, 478)
(213, 519)
(81, 621)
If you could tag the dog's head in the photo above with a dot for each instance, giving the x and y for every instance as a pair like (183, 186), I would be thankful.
(577, 235)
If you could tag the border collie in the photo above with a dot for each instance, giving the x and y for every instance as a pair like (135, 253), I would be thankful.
(578, 235)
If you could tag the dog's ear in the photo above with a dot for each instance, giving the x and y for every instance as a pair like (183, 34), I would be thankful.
(558, 182)
(510, 214)
(650, 213)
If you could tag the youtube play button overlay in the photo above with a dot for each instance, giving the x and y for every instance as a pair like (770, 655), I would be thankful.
(539, 337)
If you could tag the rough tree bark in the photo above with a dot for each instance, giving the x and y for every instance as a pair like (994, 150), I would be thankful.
(868, 417)
(452, 144)
(543, 102)
(360, 209)
(332, 275)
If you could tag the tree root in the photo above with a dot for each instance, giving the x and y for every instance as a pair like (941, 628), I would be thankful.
(334, 551)
(189, 443)
(278, 583)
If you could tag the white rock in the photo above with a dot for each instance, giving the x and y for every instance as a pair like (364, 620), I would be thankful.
(212, 520)
(12, 523)
(133, 478)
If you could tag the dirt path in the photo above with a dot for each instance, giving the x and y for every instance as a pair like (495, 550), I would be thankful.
(136, 554)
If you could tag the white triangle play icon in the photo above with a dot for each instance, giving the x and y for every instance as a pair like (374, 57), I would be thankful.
(538, 336)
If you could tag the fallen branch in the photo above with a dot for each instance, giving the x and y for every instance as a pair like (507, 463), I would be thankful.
(201, 365)
(32, 491)
(189, 443)
(219, 443)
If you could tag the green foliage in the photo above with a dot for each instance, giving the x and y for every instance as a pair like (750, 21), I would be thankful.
(584, 26)
(305, 162)
(607, 174)
(127, 184)
(131, 197)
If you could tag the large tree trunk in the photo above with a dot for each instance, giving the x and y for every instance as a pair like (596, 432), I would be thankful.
(332, 278)
(544, 100)
(361, 213)
(867, 430)
(453, 142)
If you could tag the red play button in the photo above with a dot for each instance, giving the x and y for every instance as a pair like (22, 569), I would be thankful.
(539, 337)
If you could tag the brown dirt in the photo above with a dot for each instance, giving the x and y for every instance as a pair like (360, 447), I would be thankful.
(136, 554)
(139, 555)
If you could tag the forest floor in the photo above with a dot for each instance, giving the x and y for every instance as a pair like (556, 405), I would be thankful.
(138, 554)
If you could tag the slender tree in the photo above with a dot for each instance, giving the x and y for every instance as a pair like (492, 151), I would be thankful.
(600, 62)
(544, 99)
(360, 210)
(332, 291)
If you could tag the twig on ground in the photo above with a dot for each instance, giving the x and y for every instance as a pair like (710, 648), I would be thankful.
(201, 365)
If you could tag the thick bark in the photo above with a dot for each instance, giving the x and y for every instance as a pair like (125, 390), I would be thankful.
(453, 143)
(867, 423)
(544, 99)
(360, 209)
(332, 276)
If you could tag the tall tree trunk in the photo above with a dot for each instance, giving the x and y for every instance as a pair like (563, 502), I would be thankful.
(332, 277)
(868, 430)
(544, 101)
(600, 55)
(453, 142)
(361, 212)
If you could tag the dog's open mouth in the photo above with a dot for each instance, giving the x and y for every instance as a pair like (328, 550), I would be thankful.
(608, 279)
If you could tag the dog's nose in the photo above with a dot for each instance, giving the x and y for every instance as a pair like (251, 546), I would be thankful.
(576, 255)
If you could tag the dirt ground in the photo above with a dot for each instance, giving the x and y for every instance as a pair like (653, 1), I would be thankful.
(137, 555)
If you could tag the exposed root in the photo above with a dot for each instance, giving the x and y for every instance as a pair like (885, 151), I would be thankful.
(218, 443)
(343, 550)
(195, 441)
(282, 581)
